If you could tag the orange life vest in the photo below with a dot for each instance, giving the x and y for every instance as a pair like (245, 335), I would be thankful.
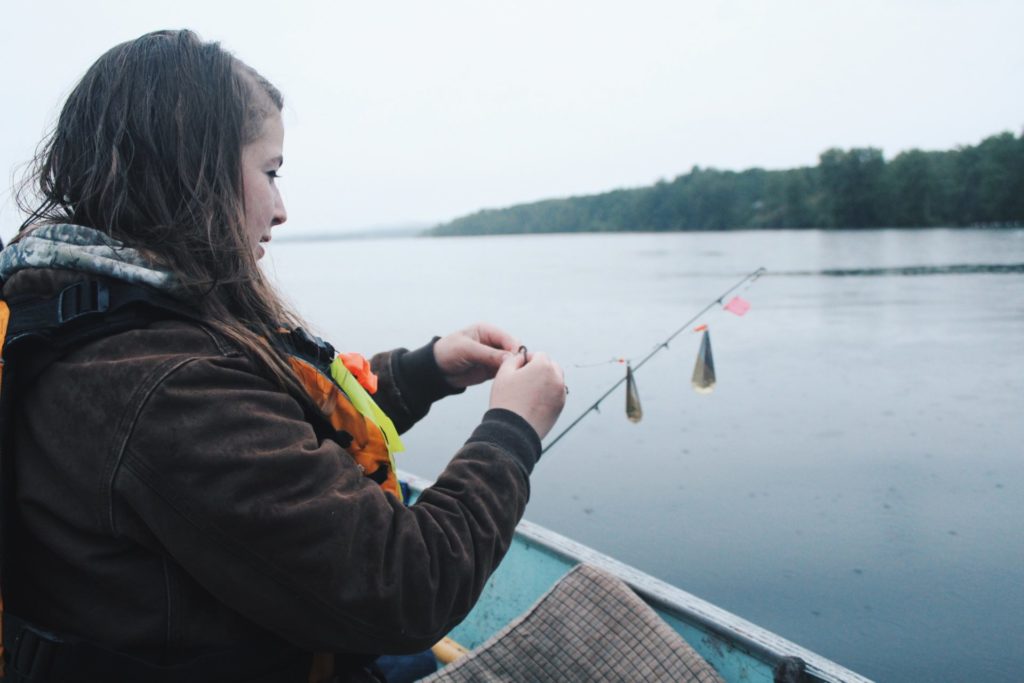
(340, 386)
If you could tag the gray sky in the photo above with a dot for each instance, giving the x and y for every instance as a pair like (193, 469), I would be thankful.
(401, 112)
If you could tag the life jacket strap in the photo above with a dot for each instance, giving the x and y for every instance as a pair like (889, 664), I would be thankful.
(87, 303)
(30, 652)
(49, 328)
(35, 655)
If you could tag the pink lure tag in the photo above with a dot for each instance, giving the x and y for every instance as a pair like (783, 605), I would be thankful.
(738, 306)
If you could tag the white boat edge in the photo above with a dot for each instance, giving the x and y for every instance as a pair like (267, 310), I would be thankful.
(672, 599)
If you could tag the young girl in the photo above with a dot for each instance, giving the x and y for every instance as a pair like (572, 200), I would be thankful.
(189, 495)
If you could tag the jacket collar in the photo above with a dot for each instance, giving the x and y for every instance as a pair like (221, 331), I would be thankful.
(75, 247)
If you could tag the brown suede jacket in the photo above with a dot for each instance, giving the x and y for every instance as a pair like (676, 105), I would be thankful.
(171, 502)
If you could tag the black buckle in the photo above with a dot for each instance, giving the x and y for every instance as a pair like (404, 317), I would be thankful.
(82, 298)
(312, 346)
(33, 654)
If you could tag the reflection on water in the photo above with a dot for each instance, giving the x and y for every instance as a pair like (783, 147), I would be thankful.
(855, 481)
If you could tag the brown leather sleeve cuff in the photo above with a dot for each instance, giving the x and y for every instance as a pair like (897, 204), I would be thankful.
(511, 433)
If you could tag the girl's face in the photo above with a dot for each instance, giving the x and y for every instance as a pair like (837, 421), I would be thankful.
(261, 160)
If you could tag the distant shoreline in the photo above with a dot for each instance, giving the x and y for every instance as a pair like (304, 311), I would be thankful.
(980, 185)
(369, 235)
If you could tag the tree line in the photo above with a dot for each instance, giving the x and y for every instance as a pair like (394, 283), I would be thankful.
(857, 188)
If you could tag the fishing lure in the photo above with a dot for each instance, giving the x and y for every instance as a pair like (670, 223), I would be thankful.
(750, 277)
(633, 410)
(704, 370)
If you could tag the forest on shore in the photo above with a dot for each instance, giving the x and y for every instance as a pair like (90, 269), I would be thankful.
(979, 185)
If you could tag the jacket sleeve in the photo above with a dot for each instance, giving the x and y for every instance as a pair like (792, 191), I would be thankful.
(408, 383)
(223, 470)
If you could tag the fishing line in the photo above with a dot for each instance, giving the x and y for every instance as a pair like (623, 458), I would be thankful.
(750, 277)
(600, 363)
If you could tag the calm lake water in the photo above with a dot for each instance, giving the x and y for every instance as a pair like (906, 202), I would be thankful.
(855, 482)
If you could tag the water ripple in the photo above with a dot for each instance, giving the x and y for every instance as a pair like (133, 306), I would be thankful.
(951, 269)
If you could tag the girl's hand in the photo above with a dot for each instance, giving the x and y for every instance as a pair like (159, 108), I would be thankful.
(534, 389)
(473, 355)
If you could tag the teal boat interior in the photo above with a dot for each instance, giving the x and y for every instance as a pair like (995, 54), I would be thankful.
(737, 649)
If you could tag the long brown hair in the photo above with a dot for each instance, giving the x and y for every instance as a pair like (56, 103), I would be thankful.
(147, 149)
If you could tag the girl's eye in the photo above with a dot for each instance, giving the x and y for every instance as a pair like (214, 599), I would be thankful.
(273, 175)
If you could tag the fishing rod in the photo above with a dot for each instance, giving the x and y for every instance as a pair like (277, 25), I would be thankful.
(750, 277)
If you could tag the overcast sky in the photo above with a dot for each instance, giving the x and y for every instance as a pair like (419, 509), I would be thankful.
(419, 112)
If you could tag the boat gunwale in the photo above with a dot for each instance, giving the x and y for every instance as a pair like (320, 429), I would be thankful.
(759, 642)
